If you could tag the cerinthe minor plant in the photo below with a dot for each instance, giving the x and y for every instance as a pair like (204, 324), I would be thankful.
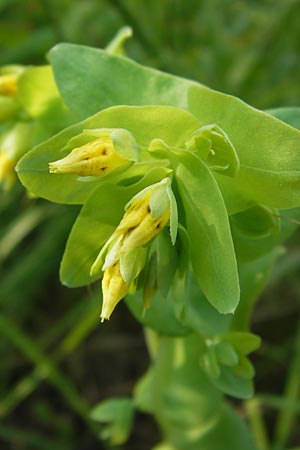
(183, 192)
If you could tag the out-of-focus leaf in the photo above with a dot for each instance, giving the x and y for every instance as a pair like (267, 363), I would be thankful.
(116, 415)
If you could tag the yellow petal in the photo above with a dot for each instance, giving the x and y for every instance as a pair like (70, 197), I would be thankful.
(114, 289)
(95, 158)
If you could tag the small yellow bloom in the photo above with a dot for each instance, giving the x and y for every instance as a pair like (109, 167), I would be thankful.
(8, 84)
(123, 256)
(114, 289)
(138, 225)
(95, 158)
(7, 173)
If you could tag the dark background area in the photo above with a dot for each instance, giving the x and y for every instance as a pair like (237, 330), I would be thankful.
(57, 360)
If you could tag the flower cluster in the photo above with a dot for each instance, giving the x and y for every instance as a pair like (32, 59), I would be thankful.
(124, 255)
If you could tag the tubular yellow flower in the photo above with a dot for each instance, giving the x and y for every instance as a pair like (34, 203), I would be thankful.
(138, 225)
(114, 289)
(8, 84)
(95, 158)
(123, 256)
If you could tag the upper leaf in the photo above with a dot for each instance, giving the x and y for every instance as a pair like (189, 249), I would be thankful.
(268, 150)
(212, 251)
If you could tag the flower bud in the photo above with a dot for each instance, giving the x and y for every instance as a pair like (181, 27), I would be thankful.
(95, 158)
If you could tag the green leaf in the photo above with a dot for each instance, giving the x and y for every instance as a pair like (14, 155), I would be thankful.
(193, 309)
(116, 415)
(91, 79)
(159, 316)
(233, 383)
(145, 124)
(210, 364)
(39, 96)
(267, 148)
(212, 252)
(96, 222)
(257, 232)
(243, 342)
(226, 354)
(256, 222)
(253, 277)
(214, 146)
(289, 115)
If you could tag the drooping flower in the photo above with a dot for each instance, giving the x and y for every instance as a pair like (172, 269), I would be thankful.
(124, 255)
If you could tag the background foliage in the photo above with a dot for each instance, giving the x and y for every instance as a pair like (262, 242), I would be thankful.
(56, 360)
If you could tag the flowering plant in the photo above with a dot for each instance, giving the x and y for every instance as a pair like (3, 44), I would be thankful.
(183, 192)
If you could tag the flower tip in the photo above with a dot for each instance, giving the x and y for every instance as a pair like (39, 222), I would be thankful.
(103, 318)
(53, 168)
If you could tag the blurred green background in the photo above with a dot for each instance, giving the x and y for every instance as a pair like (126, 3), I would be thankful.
(56, 359)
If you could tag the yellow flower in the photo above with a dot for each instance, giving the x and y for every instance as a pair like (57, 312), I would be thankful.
(8, 84)
(114, 289)
(95, 158)
(123, 256)
(138, 225)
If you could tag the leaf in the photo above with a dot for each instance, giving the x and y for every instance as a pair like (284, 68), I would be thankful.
(255, 234)
(243, 342)
(145, 124)
(39, 96)
(116, 415)
(193, 309)
(213, 146)
(289, 115)
(267, 148)
(234, 384)
(256, 222)
(159, 316)
(212, 251)
(226, 354)
(90, 79)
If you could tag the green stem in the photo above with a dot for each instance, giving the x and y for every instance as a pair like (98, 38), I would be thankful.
(257, 424)
(286, 417)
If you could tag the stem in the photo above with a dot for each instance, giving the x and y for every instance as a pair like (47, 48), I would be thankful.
(257, 424)
(286, 417)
